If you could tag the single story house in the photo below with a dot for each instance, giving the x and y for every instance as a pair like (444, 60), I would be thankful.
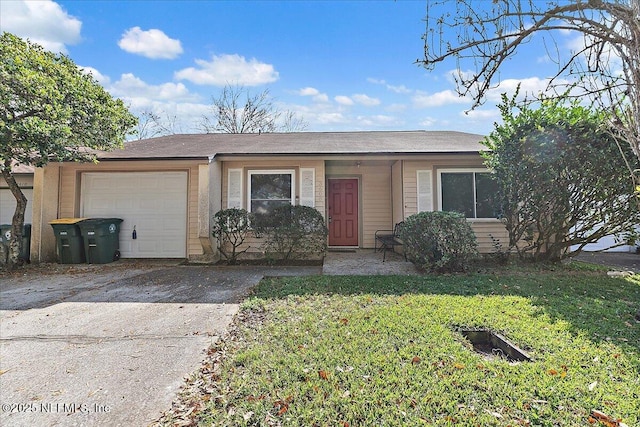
(169, 188)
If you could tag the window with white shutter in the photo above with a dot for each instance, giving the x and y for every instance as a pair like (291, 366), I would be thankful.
(425, 195)
(307, 187)
(234, 188)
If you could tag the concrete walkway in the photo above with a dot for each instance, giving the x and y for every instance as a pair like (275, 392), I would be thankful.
(615, 260)
(110, 345)
(365, 262)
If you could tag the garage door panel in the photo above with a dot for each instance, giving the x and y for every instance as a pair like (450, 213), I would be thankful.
(8, 205)
(154, 202)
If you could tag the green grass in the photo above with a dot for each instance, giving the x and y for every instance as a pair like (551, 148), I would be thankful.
(361, 351)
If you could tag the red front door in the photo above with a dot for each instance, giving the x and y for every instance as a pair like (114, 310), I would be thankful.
(343, 212)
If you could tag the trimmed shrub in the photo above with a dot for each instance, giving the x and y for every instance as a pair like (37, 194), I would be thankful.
(231, 227)
(439, 241)
(293, 232)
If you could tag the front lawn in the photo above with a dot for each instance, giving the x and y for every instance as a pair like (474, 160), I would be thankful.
(384, 351)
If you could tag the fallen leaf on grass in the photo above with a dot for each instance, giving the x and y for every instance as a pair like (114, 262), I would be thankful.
(344, 321)
(552, 372)
(283, 405)
(606, 420)
(458, 365)
(415, 360)
(323, 374)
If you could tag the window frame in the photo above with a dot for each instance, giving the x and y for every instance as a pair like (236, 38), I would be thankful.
(252, 172)
(473, 171)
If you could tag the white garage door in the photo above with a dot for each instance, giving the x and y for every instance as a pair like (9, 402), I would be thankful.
(8, 205)
(155, 203)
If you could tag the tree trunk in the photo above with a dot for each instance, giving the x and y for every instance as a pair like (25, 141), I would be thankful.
(14, 245)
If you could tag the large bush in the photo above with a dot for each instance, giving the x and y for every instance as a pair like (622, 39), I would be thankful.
(231, 228)
(439, 241)
(293, 232)
(563, 181)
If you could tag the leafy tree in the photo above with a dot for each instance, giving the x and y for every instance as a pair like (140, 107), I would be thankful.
(50, 111)
(560, 181)
(236, 110)
(483, 36)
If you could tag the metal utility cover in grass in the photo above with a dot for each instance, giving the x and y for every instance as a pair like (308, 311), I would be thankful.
(492, 345)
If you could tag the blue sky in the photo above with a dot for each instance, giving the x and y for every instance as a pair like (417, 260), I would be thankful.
(340, 65)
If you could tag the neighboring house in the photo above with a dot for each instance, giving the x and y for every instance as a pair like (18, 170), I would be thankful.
(169, 188)
(24, 178)
(612, 243)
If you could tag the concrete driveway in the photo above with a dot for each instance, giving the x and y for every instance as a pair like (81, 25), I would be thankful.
(110, 345)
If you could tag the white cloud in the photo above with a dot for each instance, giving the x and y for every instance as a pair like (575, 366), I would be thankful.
(329, 118)
(42, 22)
(343, 100)
(314, 93)
(392, 88)
(428, 122)
(438, 99)
(484, 115)
(396, 108)
(101, 78)
(399, 89)
(132, 87)
(378, 120)
(308, 91)
(151, 43)
(529, 87)
(229, 69)
(365, 100)
(376, 81)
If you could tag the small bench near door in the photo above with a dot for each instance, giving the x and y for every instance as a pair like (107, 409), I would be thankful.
(388, 239)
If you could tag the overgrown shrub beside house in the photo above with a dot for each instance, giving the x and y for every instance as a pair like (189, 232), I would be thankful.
(231, 227)
(439, 241)
(292, 233)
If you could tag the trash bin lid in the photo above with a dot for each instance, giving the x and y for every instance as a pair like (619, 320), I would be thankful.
(67, 220)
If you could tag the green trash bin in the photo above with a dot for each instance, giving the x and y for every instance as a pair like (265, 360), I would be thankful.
(5, 235)
(69, 242)
(101, 239)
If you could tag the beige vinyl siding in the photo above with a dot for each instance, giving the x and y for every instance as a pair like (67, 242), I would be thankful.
(375, 206)
(483, 228)
(254, 244)
(69, 194)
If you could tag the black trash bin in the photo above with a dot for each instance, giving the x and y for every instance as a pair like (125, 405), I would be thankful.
(5, 235)
(68, 240)
(101, 239)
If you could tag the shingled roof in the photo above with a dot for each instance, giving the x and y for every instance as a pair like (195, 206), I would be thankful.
(208, 146)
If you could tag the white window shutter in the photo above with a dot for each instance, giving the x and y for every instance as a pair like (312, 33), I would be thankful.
(234, 188)
(425, 195)
(307, 187)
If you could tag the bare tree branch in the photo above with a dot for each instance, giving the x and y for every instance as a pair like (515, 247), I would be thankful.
(152, 124)
(606, 69)
(236, 110)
